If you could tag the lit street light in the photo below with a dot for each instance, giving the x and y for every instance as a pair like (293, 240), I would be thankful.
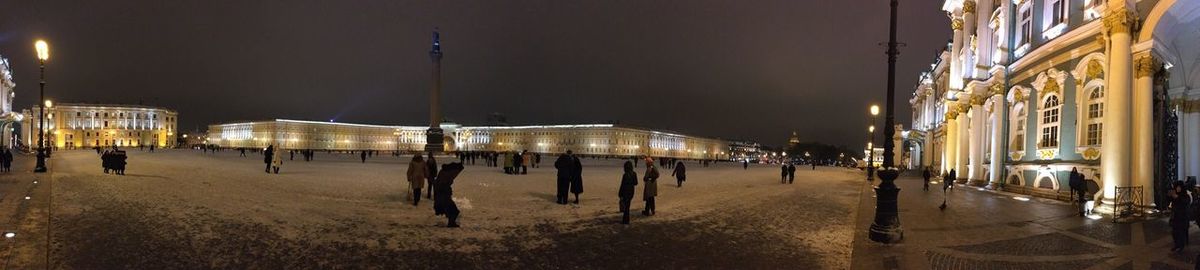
(870, 142)
(43, 54)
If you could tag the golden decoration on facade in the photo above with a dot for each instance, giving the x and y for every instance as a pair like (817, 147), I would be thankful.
(1051, 87)
(956, 24)
(978, 99)
(1145, 65)
(1091, 153)
(1119, 20)
(997, 89)
(1095, 70)
(969, 6)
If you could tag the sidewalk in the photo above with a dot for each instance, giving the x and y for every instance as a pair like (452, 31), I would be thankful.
(982, 229)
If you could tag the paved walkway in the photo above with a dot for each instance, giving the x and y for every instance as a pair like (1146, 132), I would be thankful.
(982, 229)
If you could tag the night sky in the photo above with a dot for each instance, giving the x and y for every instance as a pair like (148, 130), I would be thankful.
(731, 69)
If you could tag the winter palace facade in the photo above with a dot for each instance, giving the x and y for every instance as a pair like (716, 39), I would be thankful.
(588, 139)
(74, 125)
(1028, 90)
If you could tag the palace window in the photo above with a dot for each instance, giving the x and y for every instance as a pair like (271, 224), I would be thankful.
(1095, 117)
(1049, 123)
(1018, 142)
(1057, 11)
(1025, 24)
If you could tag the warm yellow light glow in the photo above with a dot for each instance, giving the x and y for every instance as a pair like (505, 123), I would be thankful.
(49, 103)
(185, 136)
(43, 49)
(871, 129)
(874, 110)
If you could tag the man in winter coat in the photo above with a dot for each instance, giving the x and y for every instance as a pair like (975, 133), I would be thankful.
(651, 189)
(565, 166)
(926, 175)
(443, 202)
(417, 172)
(948, 182)
(1180, 201)
(267, 155)
(791, 173)
(680, 174)
(783, 172)
(1078, 187)
(625, 193)
(576, 177)
(432, 174)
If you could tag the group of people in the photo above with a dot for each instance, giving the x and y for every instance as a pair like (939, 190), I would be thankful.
(629, 182)
(787, 173)
(570, 177)
(113, 160)
(422, 173)
(1185, 210)
(519, 162)
(273, 158)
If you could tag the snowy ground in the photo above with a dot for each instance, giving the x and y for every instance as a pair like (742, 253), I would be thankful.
(186, 209)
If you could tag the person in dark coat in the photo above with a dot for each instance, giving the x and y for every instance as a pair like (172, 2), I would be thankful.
(8, 159)
(417, 172)
(1180, 201)
(267, 155)
(680, 174)
(948, 183)
(745, 164)
(576, 177)
(650, 190)
(1078, 188)
(564, 164)
(443, 202)
(433, 172)
(625, 193)
(791, 173)
(363, 155)
(926, 175)
(783, 174)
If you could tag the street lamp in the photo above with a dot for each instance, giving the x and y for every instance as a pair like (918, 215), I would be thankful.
(43, 53)
(886, 226)
(870, 141)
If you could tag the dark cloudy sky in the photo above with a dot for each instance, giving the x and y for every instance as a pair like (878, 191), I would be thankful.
(754, 69)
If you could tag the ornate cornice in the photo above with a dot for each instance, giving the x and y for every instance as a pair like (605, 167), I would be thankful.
(996, 89)
(1049, 82)
(968, 6)
(978, 99)
(1119, 20)
(1144, 65)
(956, 24)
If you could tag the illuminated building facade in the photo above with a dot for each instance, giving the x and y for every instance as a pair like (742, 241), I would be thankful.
(591, 139)
(7, 116)
(1028, 90)
(73, 125)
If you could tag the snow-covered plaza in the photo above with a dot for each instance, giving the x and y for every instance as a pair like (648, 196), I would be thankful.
(189, 209)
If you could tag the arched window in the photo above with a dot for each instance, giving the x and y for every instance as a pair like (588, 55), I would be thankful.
(1018, 128)
(1049, 122)
(1094, 118)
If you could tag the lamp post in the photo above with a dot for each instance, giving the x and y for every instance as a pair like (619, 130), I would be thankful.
(886, 227)
(43, 53)
(50, 120)
(870, 144)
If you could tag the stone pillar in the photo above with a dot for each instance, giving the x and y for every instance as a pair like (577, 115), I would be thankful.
(1191, 147)
(964, 144)
(950, 151)
(1143, 127)
(998, 141)
(434, 136)
(1115, 156)
(956, 45)
(970, 40)
(983, 33)
(976, 175)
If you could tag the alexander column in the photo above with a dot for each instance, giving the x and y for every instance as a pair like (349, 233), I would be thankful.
(434, 137)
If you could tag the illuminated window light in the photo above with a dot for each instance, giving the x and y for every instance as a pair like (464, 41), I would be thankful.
(10, 235)
(1023, 199)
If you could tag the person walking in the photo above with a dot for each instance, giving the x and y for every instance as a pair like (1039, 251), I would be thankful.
(443, 201)
(508, 162)
(745, 164)
(576, 177)
(625, 192)
(650, 190)
(267, 155)
(417, 172)
(432, 174)
(526, 161)
(783, 173)
(276, 161)
(6, 159)
(564, 164)
(791, 173)
(926, 175)
(363, 155)
(948, 183)
(1075, 180)
(680, 174)
(1180, 202)
(518, 163)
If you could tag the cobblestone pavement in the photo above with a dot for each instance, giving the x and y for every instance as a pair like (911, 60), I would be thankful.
(984, 229)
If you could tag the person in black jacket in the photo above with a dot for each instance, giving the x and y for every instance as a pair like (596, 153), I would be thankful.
(564, 166)
(926, 175)
(783, 174)
(680, 173)
(1075, 180)
(948, 183)
(443, 202)
(1180, 201)
(576, 177)
(625, 193)
(433, 172)
(791, 173)
(267, 155)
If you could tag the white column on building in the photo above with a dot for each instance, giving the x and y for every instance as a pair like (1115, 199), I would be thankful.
(976, 175)
(964, 142)
(1115, 156)
(956, 45)
(984, 35)
(971, 42)
(950, 152)
(998, 141)
(1143, 127)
